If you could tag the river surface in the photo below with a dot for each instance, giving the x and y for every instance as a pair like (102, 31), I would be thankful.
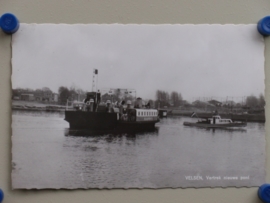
(45, 154)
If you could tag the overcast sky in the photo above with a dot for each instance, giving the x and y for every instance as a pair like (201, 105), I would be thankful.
(197, 61)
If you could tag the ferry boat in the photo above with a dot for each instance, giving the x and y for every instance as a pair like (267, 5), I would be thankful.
(216, 122)
(95, 116)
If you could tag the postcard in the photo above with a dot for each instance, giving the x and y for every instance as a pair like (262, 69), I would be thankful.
(137, 106)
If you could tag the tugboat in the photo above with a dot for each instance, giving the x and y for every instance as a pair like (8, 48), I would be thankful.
(216, 122)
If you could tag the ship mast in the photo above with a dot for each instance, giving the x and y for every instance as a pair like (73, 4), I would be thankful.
(95, 80)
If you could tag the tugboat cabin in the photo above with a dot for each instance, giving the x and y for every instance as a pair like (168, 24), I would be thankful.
(218, 120)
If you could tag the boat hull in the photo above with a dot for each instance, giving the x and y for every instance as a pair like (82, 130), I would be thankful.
(91, 120)
(206, 125)
(105, 122)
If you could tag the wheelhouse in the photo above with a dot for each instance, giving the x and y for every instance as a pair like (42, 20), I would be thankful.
(218, 120)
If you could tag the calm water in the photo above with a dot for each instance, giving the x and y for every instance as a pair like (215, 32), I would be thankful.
(47, 155)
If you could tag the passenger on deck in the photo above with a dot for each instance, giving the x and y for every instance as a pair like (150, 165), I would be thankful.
(98, 97)
(121, 109)
(128, 109)
(86, 101)
(138, 103)
(109, 109)
(128, 104)
(131, 113)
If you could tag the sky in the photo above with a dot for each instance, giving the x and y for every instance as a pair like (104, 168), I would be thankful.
(194, 60)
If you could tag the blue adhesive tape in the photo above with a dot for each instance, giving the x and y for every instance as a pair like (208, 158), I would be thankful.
(9, 23)
(264, 193)
(1, 195)
(264, 26)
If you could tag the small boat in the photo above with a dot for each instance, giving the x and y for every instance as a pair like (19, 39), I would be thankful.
(216, 122)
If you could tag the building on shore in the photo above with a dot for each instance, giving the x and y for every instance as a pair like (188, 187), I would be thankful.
(37, 95)
(47, 96)
(27, 97)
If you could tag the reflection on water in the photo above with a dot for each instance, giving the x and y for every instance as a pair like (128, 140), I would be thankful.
(88, 133)
(227, 130)
(46, 154)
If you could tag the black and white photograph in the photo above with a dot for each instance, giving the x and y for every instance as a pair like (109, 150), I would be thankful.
(137, 106)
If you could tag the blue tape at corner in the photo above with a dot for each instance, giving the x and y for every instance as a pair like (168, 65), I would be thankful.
(264, 193)
(264, 26)
(1, 195)
(9, 23)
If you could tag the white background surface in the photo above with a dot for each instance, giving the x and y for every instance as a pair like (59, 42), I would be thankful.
(125, 11)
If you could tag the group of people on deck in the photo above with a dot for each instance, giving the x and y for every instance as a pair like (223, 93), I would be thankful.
(125, 109)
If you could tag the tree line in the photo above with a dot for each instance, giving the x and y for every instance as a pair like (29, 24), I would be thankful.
(72, 93)
(64, 93)
(18, 91)
(253, 101)
(164, 98)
